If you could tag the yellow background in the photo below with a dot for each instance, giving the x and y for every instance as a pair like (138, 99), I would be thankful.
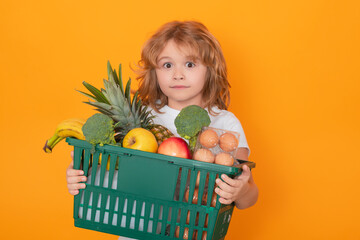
(294, 71)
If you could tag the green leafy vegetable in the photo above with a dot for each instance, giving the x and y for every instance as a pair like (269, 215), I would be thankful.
(99, 129)
(190, 121)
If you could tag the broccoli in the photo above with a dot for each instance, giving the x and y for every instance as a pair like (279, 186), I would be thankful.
(189, 122)
(99, 129)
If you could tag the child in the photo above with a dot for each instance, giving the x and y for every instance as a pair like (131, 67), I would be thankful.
(182, 64)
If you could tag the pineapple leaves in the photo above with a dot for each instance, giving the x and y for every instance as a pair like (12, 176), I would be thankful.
(134, 107)
(116, 101)
(127, 91)
(134, 100)
(116, 79)
(98, 95)
(109, 70)
(120, 78)
(87, 95)
(103, 111)
(114, 94)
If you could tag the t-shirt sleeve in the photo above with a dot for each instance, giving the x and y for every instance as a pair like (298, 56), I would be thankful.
(232, 123)
(238, 128)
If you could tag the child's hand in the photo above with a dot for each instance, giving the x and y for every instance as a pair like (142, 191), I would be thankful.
(231, 190)
(74, 178)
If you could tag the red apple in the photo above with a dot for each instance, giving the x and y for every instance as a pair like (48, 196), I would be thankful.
(175, 146)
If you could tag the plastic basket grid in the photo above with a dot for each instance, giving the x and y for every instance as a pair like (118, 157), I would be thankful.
(143, 195)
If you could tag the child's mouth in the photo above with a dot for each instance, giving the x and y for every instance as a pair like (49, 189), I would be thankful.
(179, 86)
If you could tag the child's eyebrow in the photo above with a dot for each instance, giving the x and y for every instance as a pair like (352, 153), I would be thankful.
(189, 57)
(193, 58)
(165, 57)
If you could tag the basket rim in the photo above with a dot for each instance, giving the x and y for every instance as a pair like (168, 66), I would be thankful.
(190, 163)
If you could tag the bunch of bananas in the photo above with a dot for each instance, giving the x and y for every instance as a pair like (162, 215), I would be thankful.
(68, 128)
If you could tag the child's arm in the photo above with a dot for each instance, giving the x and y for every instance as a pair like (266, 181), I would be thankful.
(242, 190)
(74, 178)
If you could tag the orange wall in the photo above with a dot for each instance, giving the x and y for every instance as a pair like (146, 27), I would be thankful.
(294, 71)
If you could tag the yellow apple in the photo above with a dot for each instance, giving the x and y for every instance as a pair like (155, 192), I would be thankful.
(140, 139)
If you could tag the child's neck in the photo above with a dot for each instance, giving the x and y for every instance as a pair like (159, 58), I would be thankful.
(179, 106)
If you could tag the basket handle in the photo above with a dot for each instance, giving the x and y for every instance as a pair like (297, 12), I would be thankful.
(243, 162)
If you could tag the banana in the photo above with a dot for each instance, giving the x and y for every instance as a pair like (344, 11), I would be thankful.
(71, 127)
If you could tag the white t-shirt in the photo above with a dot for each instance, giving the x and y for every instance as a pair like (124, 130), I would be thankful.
(223, 120)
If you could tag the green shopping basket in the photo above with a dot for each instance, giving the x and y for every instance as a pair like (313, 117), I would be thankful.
(146, 195)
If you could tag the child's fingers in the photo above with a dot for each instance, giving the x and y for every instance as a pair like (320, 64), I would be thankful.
(225, 201)
(223, 185)
(245, 175)
(70, 172)
(74, 192)
(76, 186)
(229, 180)
(76, 179)
(222, 193)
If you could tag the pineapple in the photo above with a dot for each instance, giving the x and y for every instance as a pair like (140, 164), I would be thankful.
(160, 132)
(127, 113)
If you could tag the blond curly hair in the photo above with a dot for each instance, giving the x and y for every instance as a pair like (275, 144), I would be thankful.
(204, 45)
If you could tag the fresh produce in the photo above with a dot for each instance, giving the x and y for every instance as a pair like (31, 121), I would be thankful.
(195, 196)
(186, 233)
(189, 122)
(213, 199)
(128, 113)
(197, 219)
(204, 198)
(197, 183)
(204, 235)
(228, 142)
(224, 158)
(175, 146)
(204, 155)
(67, 128)
(99, 129)
(208, 138)
(160, 132)
(217, 145)
(140, 139)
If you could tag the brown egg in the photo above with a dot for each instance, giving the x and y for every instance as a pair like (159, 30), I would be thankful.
(209, 138)
(188, 218)
(213, 199)
(195, 196)
(224, 159)
(177, 231)
(198, 179)
(204, 235)
(228, 142)
(197, 219)
(204, 155)
(186, 233)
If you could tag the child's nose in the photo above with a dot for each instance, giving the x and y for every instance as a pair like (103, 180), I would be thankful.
(179, 77)
(178, 74)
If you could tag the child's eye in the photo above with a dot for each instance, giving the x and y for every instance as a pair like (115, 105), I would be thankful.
(190, 64)
(167, 65)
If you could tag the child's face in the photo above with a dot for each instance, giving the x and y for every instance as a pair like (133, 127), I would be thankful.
(180, 76)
